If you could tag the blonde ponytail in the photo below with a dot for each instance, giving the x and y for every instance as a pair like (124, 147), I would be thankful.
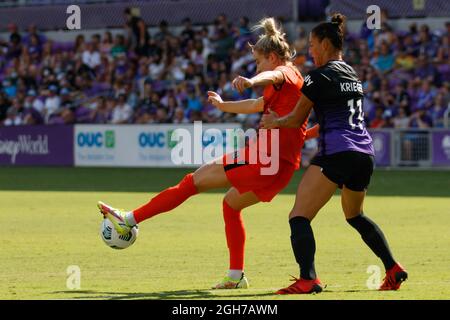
(273, 40)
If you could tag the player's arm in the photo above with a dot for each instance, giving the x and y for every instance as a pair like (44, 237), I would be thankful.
(262, 79)
(292, 120)
(242, 106)
(312, 91)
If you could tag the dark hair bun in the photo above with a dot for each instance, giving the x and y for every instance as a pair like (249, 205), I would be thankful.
(333, 30)
(339, 19)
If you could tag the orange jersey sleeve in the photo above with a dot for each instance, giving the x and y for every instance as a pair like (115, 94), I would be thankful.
(282, 99)
(312, 132)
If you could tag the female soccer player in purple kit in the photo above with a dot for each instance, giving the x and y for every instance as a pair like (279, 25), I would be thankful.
(345, 158)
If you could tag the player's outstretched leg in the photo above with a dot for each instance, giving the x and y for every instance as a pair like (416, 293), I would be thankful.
(206, 177)
(373, 237)
(233, 204)
(166, 200)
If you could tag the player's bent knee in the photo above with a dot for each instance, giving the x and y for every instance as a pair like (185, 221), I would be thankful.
(351, 214)
(295, 213)
(200, 180)
(230, 200)
(201, 183)
(303, 209)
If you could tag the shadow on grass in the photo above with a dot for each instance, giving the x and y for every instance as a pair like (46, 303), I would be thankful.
(384, 183)
(349, 291)
(327, 294)
(163, 295)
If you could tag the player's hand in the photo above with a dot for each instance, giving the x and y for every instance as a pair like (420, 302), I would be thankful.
(269, 120)
(241, 83)
(215, 100)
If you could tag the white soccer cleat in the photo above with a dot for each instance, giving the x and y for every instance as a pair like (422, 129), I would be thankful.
(230, 283)
(116, 216)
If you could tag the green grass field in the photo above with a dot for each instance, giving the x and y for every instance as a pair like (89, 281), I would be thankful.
(49, 221)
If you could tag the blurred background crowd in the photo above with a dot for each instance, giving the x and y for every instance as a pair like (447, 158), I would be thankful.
(138, 76)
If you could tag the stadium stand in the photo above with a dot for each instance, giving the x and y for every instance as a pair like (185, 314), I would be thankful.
(112, 78)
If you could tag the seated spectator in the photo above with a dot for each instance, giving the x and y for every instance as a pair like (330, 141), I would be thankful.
(401, 96)
(122, 111)
(425, 96)
(437, 110)
(161, 116)
(188, 32)
(13, 117)
(68, 116)
(179, 116)
(420, 120)
(34, 49)
(193, 100)
(52, 102)
(9, 88)
(427, 44)
(32, 117)
(119, 48)
(33, 32)
(145, 116)
(100, 113)
(405, 61)
(378, 122)
(31, 101)
(425, 70)
(14, 49)
(410, 46)
(388, 119)
(171, 106)
(443, 54)
(401, 120)
(91, 56)
(106, 44)
(384, 61)
(163, 32)
(223, 44)
(156, 67)
(195, 115)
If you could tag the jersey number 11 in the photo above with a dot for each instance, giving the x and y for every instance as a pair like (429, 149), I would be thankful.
(360, 117)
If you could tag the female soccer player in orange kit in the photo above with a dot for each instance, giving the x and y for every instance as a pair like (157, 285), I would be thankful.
(282, 83)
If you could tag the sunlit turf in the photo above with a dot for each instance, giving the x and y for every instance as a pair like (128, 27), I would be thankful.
(49, 222)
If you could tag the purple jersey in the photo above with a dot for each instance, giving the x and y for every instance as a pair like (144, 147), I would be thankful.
(337, 95)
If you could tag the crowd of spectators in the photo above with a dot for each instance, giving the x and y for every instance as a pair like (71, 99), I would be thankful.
(405, 74)
(135, 76)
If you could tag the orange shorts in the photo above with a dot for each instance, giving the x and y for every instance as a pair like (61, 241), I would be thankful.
(247, 177)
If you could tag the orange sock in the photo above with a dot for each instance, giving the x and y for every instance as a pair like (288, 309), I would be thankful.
(235, 233)
(167, 200)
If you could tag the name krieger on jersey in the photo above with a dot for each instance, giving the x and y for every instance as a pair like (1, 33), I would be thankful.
(351, 87)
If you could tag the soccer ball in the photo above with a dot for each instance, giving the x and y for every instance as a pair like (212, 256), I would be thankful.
(115, 240)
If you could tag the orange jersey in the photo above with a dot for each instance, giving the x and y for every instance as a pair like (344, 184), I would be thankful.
(282, 100)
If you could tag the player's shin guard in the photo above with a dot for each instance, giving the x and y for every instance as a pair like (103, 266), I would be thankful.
(235, 233)
(167, 200)
(304, 246)
(374, 238)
